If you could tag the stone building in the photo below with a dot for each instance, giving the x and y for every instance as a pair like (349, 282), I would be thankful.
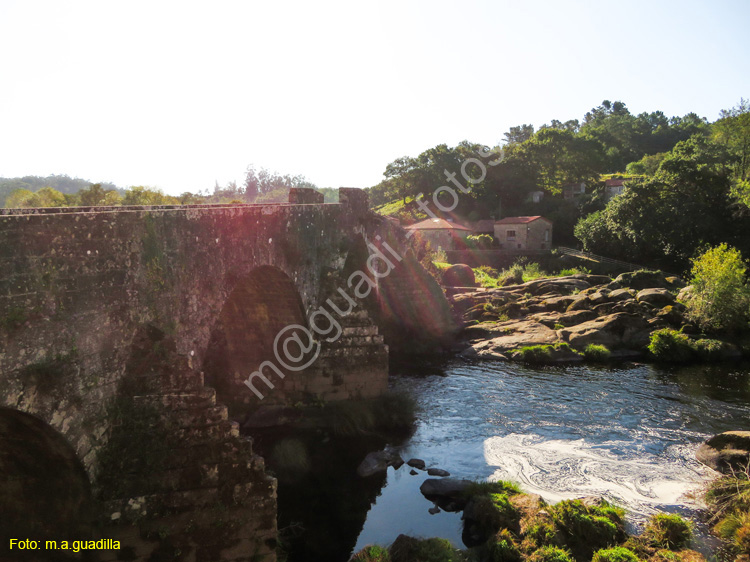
(441, 233)
(524, 233)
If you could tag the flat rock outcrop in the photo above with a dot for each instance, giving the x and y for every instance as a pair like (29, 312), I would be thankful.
(726, 452)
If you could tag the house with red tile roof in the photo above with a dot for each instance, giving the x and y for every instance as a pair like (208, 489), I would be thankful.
(524, 233)
(441, 233)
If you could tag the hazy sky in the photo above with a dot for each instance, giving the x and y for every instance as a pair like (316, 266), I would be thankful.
(179, 95)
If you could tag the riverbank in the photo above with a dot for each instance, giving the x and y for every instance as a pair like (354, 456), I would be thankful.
(584, 317)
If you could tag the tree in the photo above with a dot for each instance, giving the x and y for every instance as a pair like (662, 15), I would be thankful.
(720, 297)
(519, 134)
(665, 218)
(733, 131)
(140, 195)
(92, 196)
(49, 197)
(22, 198)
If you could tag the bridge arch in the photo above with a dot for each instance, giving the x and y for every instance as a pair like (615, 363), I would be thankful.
(260, 305)
(44, 490)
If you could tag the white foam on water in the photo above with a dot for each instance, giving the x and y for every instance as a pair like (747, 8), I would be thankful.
(560, 469)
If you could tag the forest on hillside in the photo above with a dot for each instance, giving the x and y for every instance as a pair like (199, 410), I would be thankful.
(687, 182)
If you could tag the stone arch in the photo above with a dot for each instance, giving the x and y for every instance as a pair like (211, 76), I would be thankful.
(45, 492)
(260, 305)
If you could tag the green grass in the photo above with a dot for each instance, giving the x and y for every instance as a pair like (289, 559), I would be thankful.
(541, 354)
(550, 554)
(728, 499)
(596, 353)
(441, 265)
(667, 530)
(672, 346)
(616, 554)
(587, 529)
(479, 488)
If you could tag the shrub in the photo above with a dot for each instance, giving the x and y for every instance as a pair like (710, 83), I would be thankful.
(667, 530)
(708, 350)
(502, 548)
(480, 241)
(372, 554)
(595, 352)
(616, 554)
(720, 298)
(670, 346)
(550, 554)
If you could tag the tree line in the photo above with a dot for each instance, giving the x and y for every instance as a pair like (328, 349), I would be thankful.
(687, 185)
(260, 186)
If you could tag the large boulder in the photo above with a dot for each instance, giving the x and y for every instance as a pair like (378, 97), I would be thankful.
(446, 492)
(459, 275)
(514, 334)
(655, 297)
(621, 295)
(614, 330)
(726, 452)
(642, 279)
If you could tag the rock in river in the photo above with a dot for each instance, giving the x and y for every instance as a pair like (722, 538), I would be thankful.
(726, 452)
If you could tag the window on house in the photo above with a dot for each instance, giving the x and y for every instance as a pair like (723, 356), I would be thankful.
(546, 235)
(510, 234)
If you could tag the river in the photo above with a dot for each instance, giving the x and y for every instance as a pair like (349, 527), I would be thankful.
(628, 433)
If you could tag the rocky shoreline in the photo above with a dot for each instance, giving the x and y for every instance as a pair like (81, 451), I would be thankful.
(562, 316)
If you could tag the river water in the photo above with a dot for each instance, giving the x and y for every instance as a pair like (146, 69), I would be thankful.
(628, 433)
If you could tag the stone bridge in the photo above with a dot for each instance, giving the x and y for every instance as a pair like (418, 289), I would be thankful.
(126, 335)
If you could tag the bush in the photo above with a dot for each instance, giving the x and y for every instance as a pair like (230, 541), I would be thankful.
(595, 352)
(708, 350)
(670, 346)
(550, 554)
(668, 531)
(616, 554)
(480, 241)
(720, 298)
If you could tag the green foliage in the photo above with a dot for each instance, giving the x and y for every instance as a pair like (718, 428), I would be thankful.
(667, 217)
(372, 554)
(588, 528)
(542, 354)
(668, 531)
(728, 499)
(550, 554)
(480, 241)
(670, 346)
(140, 195)
(735, 529)
(616, 554)
(720, 296)
(595, 352)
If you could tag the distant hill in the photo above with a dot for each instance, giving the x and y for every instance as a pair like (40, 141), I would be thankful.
(62, 183)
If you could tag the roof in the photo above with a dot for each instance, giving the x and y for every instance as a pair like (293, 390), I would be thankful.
(615, 183)
(436, 224)
(521, 220)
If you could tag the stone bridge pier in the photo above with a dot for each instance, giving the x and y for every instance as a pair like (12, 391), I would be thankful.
(126, 338)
